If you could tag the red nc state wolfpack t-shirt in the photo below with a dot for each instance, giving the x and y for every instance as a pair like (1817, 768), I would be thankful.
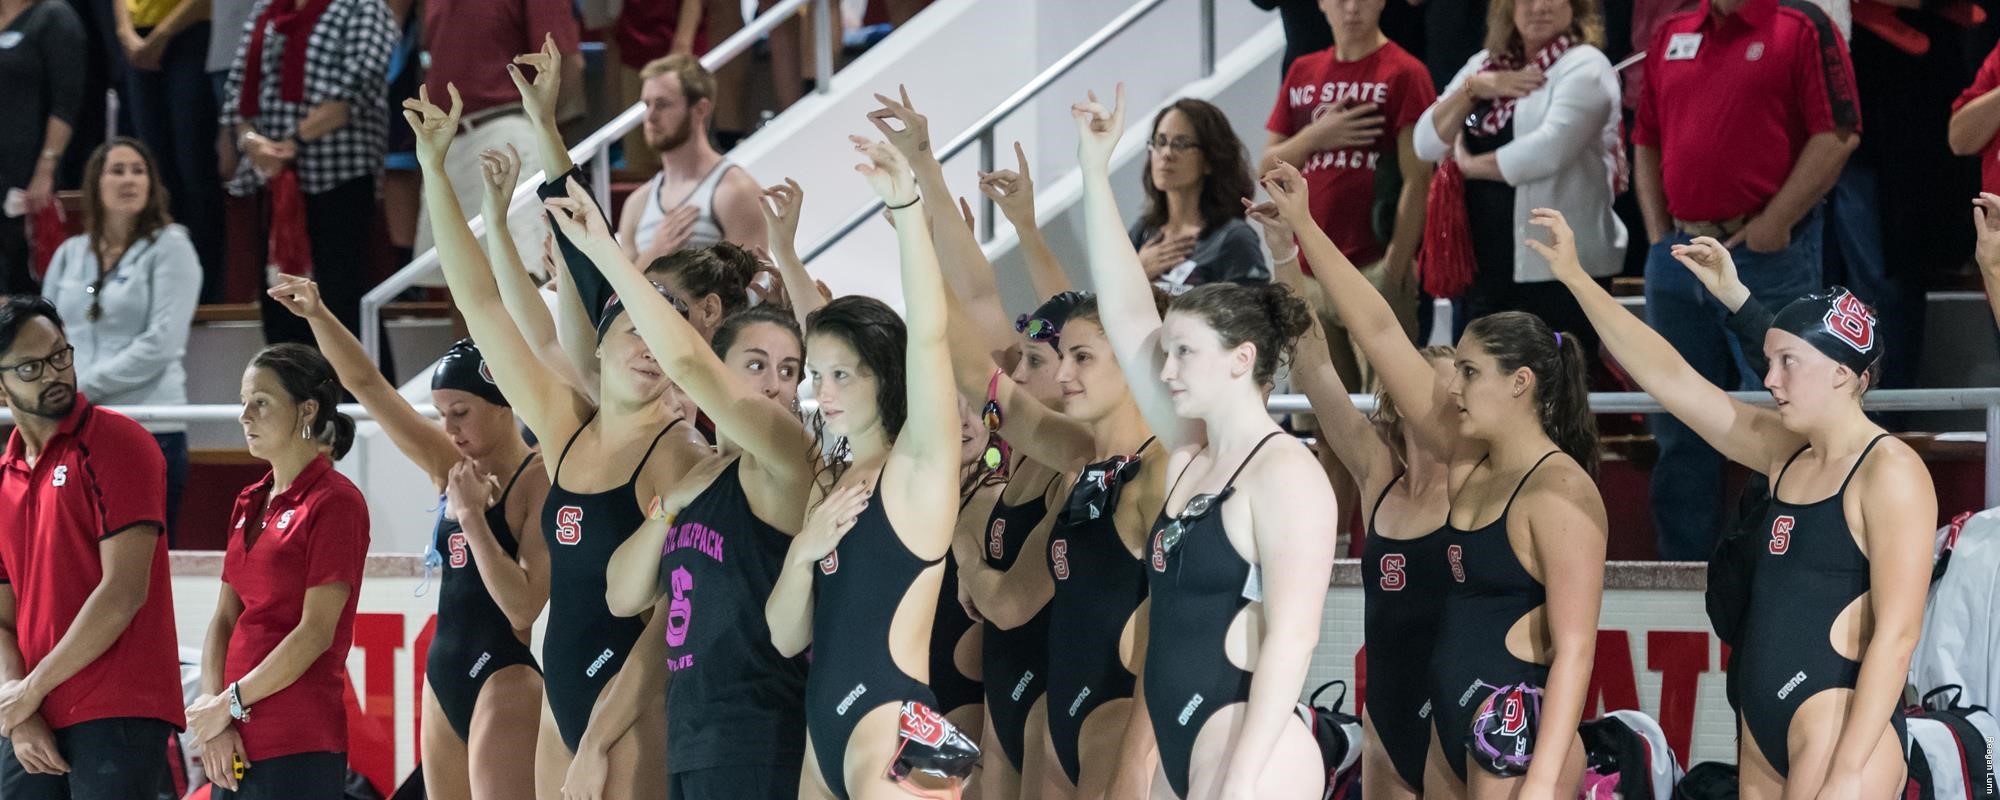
(1341, 183)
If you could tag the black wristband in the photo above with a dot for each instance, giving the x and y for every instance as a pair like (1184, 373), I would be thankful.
(913, 201)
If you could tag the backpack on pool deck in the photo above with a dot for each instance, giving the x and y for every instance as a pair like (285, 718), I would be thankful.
(1708, 780)
(1955, 744)
(1339, 737)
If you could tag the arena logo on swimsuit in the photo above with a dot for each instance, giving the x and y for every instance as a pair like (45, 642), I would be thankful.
(569, 525)
(1781, 534)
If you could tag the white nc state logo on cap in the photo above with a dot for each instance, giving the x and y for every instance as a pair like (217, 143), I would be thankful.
(1850, 321)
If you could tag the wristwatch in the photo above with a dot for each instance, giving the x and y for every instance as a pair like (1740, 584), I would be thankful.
(237, 711)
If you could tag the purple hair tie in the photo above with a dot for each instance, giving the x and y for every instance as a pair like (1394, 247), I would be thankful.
(1559, 340)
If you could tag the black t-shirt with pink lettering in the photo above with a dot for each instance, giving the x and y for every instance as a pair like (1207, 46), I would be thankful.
(1342, 182)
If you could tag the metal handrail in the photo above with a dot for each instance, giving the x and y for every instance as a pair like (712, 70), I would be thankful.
(592, 151)
(981, 132)
(1962, 399)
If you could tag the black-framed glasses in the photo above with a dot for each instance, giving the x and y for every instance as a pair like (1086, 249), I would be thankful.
(1198, 507)
(1178, 144)
(31, 371)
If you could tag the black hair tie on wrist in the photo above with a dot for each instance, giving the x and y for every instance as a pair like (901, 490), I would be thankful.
(913, 201)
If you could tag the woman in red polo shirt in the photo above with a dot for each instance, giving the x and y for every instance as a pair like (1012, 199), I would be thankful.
(274, 663)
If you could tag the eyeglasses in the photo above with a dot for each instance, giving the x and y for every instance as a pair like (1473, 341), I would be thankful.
(1170, 536)
(1178, 144)
(31, 371)
(1037, 329)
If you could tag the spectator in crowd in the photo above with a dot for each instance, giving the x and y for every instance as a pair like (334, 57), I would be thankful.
(228, 19)
(468, 41)
(128, 286)
(304, 97)
(1975, 118)
(1197, 176)
(92, 689)
(1530, 122)
(172, 105)
(1724, 149)
(1343, 115)
(1306, 30)
(699, 198)
(38, 43)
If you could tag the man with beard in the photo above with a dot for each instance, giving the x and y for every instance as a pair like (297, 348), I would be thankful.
(699, 198)
(87, 708)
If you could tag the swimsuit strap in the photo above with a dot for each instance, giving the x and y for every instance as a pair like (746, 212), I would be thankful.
(1253, 454)
(1857, 462)
(564, 456)
(1788, 467)
(504, 493)
(1524, 482)
(649, 449)
(1377, 510)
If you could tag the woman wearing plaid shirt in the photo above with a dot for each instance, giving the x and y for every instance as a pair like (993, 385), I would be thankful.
(304, 101)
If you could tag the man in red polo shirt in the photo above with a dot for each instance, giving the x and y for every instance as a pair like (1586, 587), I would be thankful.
(87, 708)
(1747, 116)
(1343, 114)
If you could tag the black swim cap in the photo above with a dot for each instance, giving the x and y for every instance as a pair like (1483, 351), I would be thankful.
(614, 306)
(1046, 323)
(464, 369)
(1836, 323)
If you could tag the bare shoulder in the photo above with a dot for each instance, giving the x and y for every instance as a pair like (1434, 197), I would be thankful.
(1562, 487)
(1894, 473)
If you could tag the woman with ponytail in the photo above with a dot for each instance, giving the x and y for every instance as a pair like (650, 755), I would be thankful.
(1837, 590)
(1525, 538)
(276, 651)
(481, 681)
(1403, 574)
(1237, 588)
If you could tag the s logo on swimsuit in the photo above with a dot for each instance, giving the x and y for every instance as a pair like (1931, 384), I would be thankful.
(680, 609)
(996, 546)
(1781, 534)
(1393, 579)
(569, 525)
(457, 545)
(1160, 551)
(1059, 558)
(1456, 555)
(830, 564)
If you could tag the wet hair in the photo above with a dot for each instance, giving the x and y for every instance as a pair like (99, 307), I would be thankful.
(1562, 386)
(305, 375)
(1228, 181)
(723, 269)
(16, 312)
(734, 324)
(152, 219)
(879, 339)
(1086, 306)
(1267, 315)
(1387, 414)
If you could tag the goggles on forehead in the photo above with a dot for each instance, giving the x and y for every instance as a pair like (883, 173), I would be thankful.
(1037, 329)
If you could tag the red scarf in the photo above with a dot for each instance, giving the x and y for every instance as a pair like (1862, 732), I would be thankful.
(295, 23)
(1445, 263)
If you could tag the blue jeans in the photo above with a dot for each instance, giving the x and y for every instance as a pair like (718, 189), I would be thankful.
(174, 112)
(1687, 481)
(175, 447)
(1855, 259)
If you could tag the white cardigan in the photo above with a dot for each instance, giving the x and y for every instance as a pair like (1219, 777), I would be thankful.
(1562, 157)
